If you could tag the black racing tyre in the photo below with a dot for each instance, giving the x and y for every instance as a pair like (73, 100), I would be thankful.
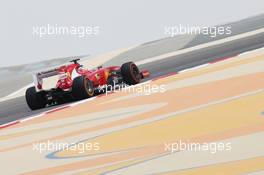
(35, 100)
(82, 88)
(130, 73)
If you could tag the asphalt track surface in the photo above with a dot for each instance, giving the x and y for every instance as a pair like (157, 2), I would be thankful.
(202, 56)
(16, 108)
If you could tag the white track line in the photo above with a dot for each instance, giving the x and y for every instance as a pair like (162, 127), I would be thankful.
(194, 68)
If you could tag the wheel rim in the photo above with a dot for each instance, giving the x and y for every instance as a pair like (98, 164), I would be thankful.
(89, 87)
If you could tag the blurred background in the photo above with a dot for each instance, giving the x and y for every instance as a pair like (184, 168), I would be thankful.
(121, 24)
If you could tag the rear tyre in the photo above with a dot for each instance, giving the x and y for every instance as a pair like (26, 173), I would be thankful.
(82, 88)
(34, 99)
(130, 73)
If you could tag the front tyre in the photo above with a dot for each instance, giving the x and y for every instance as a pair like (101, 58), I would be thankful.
(130, 73)
(82, 88)
(34, 99)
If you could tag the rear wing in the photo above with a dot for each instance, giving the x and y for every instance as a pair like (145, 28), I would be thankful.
(39, 76)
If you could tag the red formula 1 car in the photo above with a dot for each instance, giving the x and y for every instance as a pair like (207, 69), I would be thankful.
(76, 83)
